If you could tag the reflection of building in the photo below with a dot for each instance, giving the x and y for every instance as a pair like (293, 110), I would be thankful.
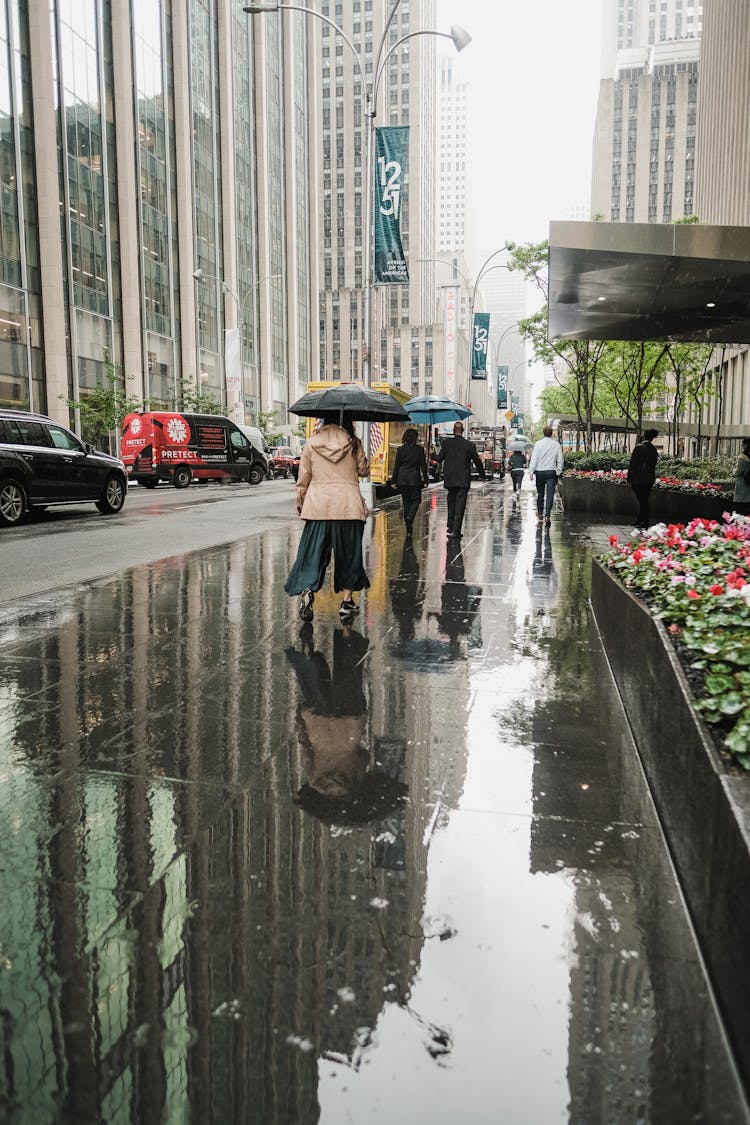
(166, 138)
(176, 926)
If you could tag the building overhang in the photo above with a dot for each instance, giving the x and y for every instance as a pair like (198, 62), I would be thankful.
(643, 281)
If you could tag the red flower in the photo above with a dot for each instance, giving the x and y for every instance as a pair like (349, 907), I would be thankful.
(716, 589)
(693, 595)
(613, 539)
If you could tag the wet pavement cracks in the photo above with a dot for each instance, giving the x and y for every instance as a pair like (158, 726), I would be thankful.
(405, 871)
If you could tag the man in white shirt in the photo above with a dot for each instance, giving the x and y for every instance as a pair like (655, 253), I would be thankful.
(546, 468)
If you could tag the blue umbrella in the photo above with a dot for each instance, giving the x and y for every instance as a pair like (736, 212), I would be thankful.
(432, 409)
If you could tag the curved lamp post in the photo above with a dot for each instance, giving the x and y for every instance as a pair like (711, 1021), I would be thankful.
(227, 287)
(460, 39)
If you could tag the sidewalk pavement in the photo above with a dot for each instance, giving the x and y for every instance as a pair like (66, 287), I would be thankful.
(403, 871)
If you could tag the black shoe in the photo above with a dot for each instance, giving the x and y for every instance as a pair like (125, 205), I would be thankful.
(348, 609)
(306, 605)
(449, 530)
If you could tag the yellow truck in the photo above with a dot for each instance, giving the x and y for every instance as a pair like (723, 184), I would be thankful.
(385, 437)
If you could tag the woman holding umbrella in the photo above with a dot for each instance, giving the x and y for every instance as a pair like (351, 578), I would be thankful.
(331, 504)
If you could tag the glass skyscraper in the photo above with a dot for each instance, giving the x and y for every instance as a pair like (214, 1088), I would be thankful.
(154, 199)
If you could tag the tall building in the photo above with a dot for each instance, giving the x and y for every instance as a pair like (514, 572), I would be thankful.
(453, 122)
(156, 163)
(645, 133)
(723, 189)
(401, 337)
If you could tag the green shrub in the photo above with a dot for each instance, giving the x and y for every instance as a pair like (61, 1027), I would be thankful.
(707, 470)
(599, 462)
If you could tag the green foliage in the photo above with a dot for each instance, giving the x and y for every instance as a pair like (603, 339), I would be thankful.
(266, 419)
(190, 397)
(102, 408)
(686, 221)
(696, 579)
(602, 462)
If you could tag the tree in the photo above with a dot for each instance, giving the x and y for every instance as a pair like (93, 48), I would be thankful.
(190, 397)
(635, 373)
(690, 365)
(266, 419)
(581, 358)
(101, 409)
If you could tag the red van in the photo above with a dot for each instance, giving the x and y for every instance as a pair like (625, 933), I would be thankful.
(169, 445)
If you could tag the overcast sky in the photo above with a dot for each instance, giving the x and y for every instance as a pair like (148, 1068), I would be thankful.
(533, 66)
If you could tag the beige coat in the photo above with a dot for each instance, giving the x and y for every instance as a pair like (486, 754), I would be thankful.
(328, 478)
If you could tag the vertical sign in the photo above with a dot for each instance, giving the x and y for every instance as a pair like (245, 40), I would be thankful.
(450, 342)
(233, 371)
(502, 386)
(479, 341)
(391, 149)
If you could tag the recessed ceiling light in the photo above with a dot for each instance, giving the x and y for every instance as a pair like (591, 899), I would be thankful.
(710, 304)
(601, 298)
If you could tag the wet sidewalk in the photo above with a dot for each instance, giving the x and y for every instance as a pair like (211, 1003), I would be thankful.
(406, 871)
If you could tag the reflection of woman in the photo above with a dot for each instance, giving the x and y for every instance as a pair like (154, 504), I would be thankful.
(742, 475)
(642, 475)
(331, 504)
(410, 475)
(331, 721)
(407, 592)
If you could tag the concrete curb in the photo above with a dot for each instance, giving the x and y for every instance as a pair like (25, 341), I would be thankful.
(705, 811)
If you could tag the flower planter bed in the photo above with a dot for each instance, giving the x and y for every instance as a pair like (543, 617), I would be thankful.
(703, 802)
(610, 495)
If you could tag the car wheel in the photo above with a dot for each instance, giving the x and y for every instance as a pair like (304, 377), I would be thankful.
(113, 496)
(148, 483)
(14, 503)
(182, 477)
(256, 474)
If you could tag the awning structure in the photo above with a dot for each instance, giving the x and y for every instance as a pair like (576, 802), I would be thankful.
(643, 281)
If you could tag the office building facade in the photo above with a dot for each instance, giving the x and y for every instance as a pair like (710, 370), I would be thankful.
(156, 203)
(645, 134)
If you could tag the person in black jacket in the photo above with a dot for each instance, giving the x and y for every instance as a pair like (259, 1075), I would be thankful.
(410, 475)
(456, 455)
(642, 475)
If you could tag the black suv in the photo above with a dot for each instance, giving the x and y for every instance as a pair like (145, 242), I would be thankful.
(43, 463)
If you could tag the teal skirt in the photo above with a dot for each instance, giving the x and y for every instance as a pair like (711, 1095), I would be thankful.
(319, 538)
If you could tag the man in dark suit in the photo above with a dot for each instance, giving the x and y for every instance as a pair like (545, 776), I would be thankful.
(456, 455)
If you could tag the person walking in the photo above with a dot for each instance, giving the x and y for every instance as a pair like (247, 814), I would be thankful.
(516, 467)
(331, 504)
(456, 455)
(410, 475)
(546, 467)
(742, 478)
(641, 475)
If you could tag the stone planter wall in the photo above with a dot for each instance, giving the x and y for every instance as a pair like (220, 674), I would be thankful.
(594, 496)
(705, 811)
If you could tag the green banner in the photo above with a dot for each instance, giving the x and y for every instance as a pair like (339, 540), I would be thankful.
(479, 340)
(391, 151)
(502, 386)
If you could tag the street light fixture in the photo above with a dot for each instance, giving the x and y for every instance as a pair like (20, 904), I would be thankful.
(460, 38)
(227, 287)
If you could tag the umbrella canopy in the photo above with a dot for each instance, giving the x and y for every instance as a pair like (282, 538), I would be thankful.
(519, 443)
(350, 401)
(431, 409)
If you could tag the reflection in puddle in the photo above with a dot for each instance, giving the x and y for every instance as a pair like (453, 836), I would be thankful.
(397, 871)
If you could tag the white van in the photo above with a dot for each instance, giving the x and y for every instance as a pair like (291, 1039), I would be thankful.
(257, 439)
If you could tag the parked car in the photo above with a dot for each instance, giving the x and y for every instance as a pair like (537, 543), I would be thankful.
(182, 447)
(256, 437)
(285, 461)
(43, 463)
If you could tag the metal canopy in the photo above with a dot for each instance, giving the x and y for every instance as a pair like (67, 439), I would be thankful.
(642, 281)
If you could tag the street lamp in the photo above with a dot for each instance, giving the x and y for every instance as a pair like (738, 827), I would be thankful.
(485, 268)
(233, 336)
(460, 39)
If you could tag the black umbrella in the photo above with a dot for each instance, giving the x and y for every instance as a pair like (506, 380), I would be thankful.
(352, 402)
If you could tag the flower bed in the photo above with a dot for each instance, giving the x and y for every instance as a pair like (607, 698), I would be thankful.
(696, 578)
(672, 500)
